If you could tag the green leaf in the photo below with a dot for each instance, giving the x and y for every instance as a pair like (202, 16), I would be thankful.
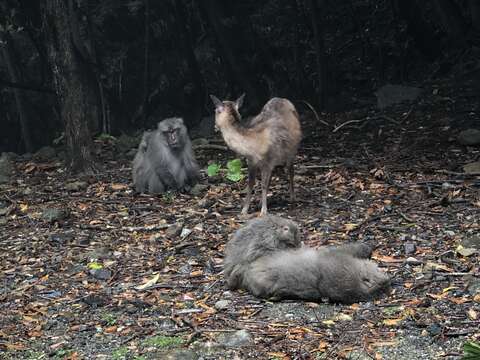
(95, 266)
(234, 170)
(471, 351)
(235, 165)
(213, 169)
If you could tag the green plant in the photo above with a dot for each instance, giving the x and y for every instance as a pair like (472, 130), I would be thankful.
(471, 351)
(162, 341)
(213, 169)
(120, 353)
(109, 319)
(233, 172)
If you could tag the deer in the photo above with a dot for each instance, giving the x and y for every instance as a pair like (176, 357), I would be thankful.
(267, 140)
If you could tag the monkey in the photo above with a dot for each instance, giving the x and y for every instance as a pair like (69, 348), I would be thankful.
(266, 258)
(257, 238)
(165, 160)
(267, 140)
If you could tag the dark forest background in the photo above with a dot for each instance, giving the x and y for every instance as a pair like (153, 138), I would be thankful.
(87, 67)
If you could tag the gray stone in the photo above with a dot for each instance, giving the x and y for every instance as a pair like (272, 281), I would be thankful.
(6, 168)
(125, 143)
(55, 214)
(199, 142)
(474, 286)
(198, 189)
(236, 339)
(469, 137)
(222, 304)
(100, 274)
(390, 94)
(180, 354)
(76, 186)
(410, 248)
(472, 241)
(46, 153)
(204, 129)
(413, 261)
(472, 168)
(174, 230)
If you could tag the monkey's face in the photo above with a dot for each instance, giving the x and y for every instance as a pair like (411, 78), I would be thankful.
(173, 132)
(289, 236)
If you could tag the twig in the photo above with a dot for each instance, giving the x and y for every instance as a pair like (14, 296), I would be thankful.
(458, 173)
(210, 147)
(348, 122)
(315, 113)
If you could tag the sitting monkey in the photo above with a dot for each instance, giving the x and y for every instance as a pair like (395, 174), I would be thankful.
(265, 257)
(165, 160)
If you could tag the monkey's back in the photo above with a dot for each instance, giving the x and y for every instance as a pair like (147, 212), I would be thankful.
(309, 274)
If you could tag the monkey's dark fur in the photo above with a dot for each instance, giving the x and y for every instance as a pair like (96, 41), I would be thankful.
(265, 257)
(165, 160)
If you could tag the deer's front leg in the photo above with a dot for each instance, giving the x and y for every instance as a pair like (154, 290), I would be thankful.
(252, 173)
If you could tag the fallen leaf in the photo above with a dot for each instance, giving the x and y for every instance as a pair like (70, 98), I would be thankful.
(465, 251)
(472, 314)
(392, 322)
(149, 283)
(117, 187)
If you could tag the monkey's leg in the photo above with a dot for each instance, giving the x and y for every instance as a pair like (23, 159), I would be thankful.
(252, 173)
(266, 175)
(290, 179)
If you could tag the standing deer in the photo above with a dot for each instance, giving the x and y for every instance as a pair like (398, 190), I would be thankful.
(269, 139)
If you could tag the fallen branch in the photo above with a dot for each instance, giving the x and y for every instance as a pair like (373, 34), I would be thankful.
(210, 147)
(315, 113)
(368, 118)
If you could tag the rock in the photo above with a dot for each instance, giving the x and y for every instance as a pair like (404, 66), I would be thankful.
(413, 261)
(180, 354)
(95, 300)
(410, 248)
(100, 274)
(469, 137)
(76, 186)
(55, 214)
(98, 254)
(46, 153)
(198, 189)
(174, 230)
(3, 221)
(6, 168)
(125, 143)
(184, 233)
(199, 141)
(204, 129)
(222, 304)
(474, 286)
(60, 238)
(434, 329)
(390, 94)
(472, 241)
(236, 339)
(472, 168)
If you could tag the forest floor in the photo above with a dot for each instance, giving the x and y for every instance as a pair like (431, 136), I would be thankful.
(91, 270)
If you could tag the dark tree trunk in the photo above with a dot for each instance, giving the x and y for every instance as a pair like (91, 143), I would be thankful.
(72, 82)
(418, 28)
(320, 57)
(146, 72)
(194, 114)
(225, 47)
(452, 21)
(475, 14)
(7, 52)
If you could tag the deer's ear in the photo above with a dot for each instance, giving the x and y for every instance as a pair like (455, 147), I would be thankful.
(216, 101)
(239, 101)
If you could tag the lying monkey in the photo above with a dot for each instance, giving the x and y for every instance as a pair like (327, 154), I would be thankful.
(265, 257)
(165, 160)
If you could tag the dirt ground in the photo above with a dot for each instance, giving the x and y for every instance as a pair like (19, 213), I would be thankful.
(91, 270)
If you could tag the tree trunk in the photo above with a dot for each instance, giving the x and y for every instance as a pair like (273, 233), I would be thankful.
(320, 57)
(146, 72)
(72, 83)
(418, 28)
(225, 44)
(475, 15)
(452, 21)
(198, 94)
(19, 99)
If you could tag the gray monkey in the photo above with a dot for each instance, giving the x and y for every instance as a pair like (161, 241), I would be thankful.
(270, 263)
(165, 159)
